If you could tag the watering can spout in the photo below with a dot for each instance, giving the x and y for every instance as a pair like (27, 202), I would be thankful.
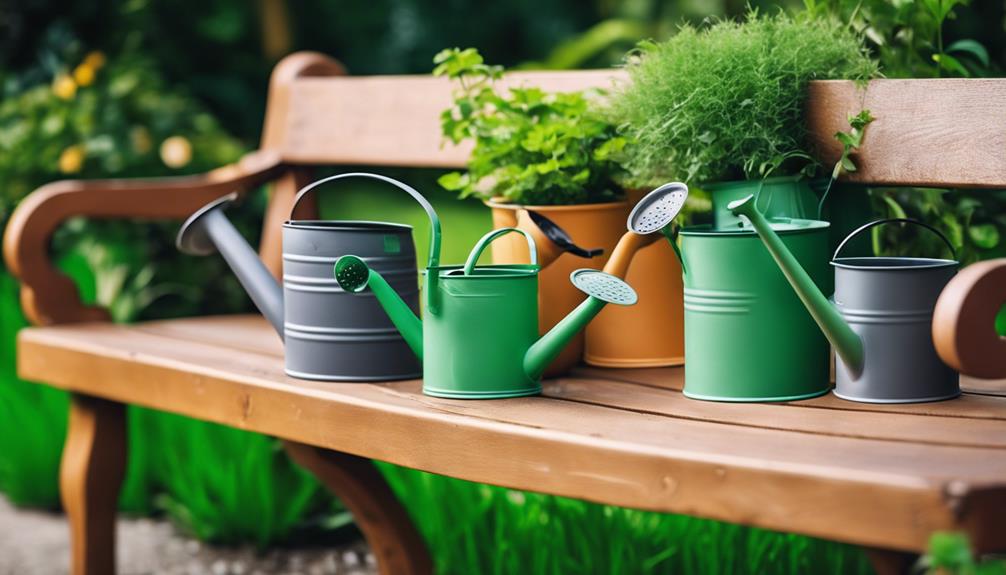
(209, 230)
(354, 275)
(601, 289)
(847, 343)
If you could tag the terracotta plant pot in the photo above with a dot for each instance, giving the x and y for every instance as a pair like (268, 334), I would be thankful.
(657, 319)
(591, 226)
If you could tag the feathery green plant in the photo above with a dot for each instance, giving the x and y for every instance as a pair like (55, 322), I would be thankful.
(726, 102)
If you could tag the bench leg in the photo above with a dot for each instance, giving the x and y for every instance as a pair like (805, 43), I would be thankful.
(396, 544)
(891, 562)
(91, 472)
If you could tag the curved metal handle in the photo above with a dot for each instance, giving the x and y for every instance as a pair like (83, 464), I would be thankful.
(876, 223)
(434, 256)
(487, 239)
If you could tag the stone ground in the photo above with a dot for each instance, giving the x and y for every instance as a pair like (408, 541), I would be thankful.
(37, 543)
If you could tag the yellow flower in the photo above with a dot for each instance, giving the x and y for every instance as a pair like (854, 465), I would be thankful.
(94, 60)
(71, 160)
(83, 75)
(64, 87)
(176, 152)
(139, 136)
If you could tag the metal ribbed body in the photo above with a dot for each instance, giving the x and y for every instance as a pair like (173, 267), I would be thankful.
(475, 345)
(747, 335)
(889, 303)
(334, 335)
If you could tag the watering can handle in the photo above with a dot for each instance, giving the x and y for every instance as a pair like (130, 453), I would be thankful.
(873, 224)
(487, 239)
(434, 255)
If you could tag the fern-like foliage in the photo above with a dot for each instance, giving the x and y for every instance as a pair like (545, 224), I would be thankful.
(726, 101)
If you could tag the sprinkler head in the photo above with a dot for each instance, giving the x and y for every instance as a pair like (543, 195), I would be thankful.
(352, 273)
(193, 238)
(657, 209)
(604, 287)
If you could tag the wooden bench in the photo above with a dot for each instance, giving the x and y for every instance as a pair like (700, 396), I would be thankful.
(881, 476)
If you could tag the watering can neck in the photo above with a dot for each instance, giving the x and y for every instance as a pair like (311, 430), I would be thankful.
(209, 230)
(847, 343)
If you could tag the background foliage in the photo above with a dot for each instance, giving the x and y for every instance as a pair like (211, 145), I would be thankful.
(151, 100)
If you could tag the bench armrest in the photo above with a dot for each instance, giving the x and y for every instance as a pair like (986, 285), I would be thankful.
(48, 296)
(964, 320)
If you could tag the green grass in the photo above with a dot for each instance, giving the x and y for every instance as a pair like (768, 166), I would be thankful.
(474, 528)
(226, 485)
(32, 418)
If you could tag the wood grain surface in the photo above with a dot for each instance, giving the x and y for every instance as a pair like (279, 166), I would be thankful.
(883, 476)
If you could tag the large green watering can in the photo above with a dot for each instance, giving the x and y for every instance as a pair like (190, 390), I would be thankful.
(880, 319)
(478, 338)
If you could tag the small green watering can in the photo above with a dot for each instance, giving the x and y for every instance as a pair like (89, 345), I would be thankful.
(478, 338)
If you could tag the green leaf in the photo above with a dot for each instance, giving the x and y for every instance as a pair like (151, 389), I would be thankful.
(973, 47)
(861, 120)
(847, 164)
(950, 551)
(847, 139)
(985, 236)
(896, 210)
(453, 181)
(951, 64)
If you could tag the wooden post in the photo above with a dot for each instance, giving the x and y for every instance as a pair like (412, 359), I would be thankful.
(94, 463)
(393, 539)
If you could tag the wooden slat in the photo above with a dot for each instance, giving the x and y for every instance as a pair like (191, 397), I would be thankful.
(977, 422)
(608, 386)
(974, 404)
(949, 132)
(392, 120)
(660, 454)
(942, 133)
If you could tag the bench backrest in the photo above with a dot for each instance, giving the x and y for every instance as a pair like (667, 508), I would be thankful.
(949, 133)
(938, 133)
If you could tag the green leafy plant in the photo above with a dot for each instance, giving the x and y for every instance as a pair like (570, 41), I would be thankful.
(950, 554)
(531, 147)
(726, 101)
(851, 141)
(908, 37)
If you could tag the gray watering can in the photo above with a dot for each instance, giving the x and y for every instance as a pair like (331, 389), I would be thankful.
(478, 338)
(329, 334)
(880, 323)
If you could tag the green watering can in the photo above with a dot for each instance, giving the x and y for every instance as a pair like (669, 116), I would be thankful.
(478, 338)
(880, 319)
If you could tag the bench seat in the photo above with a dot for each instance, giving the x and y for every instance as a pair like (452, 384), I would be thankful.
(876, 475)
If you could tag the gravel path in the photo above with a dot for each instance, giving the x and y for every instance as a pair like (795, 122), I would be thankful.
(37, 543)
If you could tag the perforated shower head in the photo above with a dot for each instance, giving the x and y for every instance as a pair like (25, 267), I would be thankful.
(604, 287)
(352, 273)
(658, 208)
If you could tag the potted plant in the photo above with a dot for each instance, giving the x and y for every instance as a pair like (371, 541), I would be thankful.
(552, 153)
(722, 107)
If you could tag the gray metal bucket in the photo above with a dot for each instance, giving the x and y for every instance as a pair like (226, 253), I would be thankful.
(329, 334)
(888, 302)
